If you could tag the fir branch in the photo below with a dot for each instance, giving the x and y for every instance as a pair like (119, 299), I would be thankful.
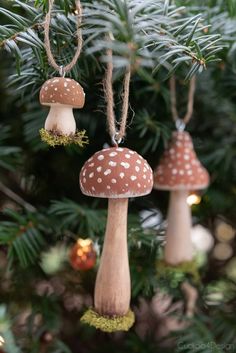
(23, 237)
(154, 34)
(224, 327)
(13, 196)
(82, 219)
(198, 337)
(8, 154)
(153, 131)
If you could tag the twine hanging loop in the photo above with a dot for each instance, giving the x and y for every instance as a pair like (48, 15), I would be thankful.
(181, 123)
(117, 134)
(62, 69)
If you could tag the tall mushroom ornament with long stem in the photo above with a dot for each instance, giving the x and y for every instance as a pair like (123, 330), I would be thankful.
(117, 174)
(179, 171)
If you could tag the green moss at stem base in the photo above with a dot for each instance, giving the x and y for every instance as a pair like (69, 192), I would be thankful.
(53, 139)
(187, 268)
(107, 323)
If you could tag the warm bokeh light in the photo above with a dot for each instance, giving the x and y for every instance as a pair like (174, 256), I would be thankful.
(224, 232)
(193, 199)
(84, 242)
(222, 251)
(83, 255)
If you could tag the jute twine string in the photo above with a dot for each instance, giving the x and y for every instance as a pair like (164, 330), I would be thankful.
(182, 122)
(116, 134)
(62, 69)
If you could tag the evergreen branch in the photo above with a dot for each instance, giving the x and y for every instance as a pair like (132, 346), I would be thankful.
(152, 130)
(23, 238)
(15, 36)
(8, 154)
(143, 264)
(198, 337)
(81, 219)
(224, 327)
(154, 34)
(159, 34)
(13, 196)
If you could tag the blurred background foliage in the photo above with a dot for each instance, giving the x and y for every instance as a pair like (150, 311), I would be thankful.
(42, 208)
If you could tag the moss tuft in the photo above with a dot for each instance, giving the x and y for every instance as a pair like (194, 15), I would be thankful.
(53, 139)
(107, 323)
(185, 268)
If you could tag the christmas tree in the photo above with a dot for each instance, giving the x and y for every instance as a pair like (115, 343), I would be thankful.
(179, 57)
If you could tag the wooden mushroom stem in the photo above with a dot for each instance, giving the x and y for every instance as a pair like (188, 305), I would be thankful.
(179, 246)
(61, 120)
(112, 289)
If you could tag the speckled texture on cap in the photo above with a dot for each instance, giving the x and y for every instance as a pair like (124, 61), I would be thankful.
(179, 168)
(116, 173)
(60, 90)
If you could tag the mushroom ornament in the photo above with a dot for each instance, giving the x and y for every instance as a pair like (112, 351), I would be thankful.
(179, 171)
(117, 174)
(62, 95)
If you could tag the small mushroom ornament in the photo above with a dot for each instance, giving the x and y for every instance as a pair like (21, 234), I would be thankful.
(61, 95)
(117, 174)
(179, 171)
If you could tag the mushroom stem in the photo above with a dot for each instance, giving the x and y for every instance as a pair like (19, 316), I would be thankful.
(178, 246)
(112, 289)
(191, 296)
(61, 120)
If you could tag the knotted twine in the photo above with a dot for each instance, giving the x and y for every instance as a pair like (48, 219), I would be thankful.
(62, 69)
(49, 137)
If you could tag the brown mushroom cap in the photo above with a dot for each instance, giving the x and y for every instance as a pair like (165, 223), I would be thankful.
(61, 90)
(116, 173)
(179, 168)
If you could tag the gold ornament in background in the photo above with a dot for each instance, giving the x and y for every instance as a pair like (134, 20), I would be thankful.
(83, 255)
(224, 232)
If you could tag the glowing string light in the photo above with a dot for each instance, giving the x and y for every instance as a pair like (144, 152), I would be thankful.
(193, 199)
